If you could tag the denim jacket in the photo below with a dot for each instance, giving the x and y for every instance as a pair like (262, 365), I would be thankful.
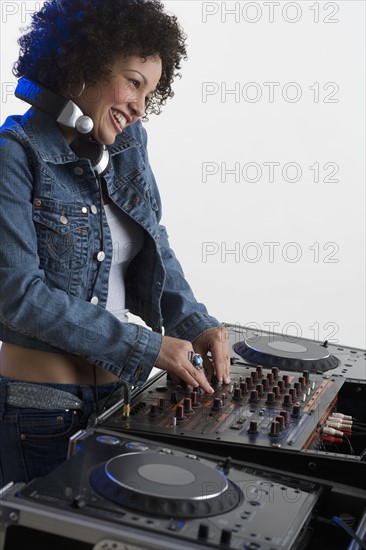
(52, 226)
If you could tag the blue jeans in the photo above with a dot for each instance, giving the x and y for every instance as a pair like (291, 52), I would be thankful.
(34, 441)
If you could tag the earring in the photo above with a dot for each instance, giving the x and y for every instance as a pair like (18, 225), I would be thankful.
(73, 96)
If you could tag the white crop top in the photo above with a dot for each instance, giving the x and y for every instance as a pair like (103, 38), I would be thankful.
(127, 238)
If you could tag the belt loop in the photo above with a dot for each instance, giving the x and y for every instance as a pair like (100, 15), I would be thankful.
(3, 388)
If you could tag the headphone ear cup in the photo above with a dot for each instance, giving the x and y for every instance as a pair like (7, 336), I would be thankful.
(85, 147)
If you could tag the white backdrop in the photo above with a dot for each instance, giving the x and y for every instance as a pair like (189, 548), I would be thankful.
(260, 159)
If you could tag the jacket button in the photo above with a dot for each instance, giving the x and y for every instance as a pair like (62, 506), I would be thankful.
(101, 256)
(94, 300)
(38, 203)
(64, 220)
(78, 171)
(84, 210)
(93, 209)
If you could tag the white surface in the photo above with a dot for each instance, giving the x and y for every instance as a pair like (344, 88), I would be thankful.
(299, 246)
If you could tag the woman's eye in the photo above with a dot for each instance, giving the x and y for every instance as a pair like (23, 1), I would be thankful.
(135, 83)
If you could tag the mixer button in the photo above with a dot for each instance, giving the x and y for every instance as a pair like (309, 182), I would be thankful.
(296, 409)
(217, 404)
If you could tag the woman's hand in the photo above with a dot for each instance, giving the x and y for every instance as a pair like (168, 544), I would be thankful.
(216, 341)
(174, 358)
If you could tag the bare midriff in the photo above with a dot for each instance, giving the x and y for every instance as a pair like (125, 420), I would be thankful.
(32, 365)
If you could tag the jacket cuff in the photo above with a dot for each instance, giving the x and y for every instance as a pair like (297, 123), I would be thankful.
(193, 326)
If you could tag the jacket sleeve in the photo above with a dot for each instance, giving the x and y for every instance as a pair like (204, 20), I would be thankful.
(183, 316)
(30, 308)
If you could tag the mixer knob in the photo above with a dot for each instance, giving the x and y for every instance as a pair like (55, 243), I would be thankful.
(203, 531)
(253, 396)
(275, 428)
(270, 377)
(306, 375)
(296, 409)
(161, 405)
(281, 385)
(254, 376)
(237, 394)
(225, 537)
(275, 371)
(217, 404)
(188, 405)
(194, 399)
(243, 388)
(298, 387)
(302, 381)
(281, 421)
(249, 381)
(287, 400)
(259, 370)
(259, 389)
(174, 397)
(271, 398)
(293, 393)
(179, 412)
(285, 416)
(153, 410)
(286, 379)
(276, 391)
(253, 427)
(265, 384)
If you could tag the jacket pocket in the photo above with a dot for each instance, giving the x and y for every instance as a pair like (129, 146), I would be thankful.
(62, 232)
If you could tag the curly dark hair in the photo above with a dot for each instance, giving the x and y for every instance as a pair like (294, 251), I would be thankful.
(73, 40)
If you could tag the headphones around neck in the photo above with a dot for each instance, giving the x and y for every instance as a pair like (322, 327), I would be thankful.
(66, 112)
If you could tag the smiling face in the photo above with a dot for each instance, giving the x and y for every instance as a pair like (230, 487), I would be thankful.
(119, 101)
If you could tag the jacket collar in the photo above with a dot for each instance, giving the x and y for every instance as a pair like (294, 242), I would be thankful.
(46, 135)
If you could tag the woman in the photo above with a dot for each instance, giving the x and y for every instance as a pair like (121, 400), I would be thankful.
(81, 245)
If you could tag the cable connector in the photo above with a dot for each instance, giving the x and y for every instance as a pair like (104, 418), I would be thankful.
(340, 415)
(331, 431)
(126, 411)
(331, 439)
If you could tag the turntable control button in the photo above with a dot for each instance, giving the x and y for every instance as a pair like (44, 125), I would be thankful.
(165, 451)
(203, 531)
(225, 537)
(176, 525)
